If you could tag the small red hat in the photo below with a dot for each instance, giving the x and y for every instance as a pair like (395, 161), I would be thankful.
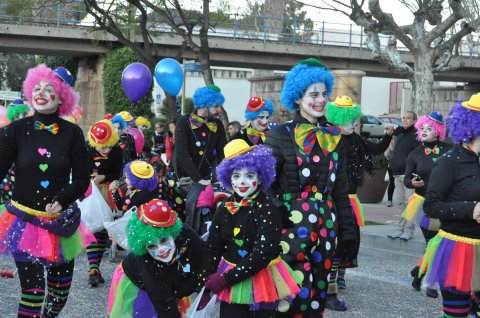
(108, 116)
(255, 104)
(157, 213)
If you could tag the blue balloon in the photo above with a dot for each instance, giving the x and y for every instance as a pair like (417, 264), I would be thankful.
(169, 75)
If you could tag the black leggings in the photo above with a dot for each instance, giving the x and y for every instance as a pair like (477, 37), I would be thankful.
(243, 311)
(391, 184)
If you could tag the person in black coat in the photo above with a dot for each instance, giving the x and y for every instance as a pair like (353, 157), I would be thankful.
(453, 197)
(126, 141)
(312, 182)
(258, 113)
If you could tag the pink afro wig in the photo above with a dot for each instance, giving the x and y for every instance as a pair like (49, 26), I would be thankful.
(440, 129)
(65, 91)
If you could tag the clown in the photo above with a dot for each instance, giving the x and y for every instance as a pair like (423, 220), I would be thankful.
(251, 280)
(51, 170)
(17, 110)
(345, 114)
(105, 162)
(258, 112)
(451, 258)
(142, 123)
(312, 182)
(126, 142)
(161, 268)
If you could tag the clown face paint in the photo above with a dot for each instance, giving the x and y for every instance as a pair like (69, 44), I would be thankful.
(260, 123)
(118, 127)
(427, 133)
(104, 151)
(312, 104)
(45, 98)
(244, 183)
(163, 250)
(349, 128)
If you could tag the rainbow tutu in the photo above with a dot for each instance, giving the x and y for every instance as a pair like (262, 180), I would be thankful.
(452, 262)
(357, 209)
(29, 242)
(413, 212)
(266, 288)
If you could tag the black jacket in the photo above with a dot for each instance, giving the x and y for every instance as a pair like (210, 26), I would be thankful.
(406, 141)
(454, 190)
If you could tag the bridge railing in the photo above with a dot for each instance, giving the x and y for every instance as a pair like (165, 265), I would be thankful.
(235, 26)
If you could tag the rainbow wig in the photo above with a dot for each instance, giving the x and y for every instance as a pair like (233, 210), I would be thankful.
(259, 160)
(300, 77)
(64, 90)
(16, 108)
(440, 129)
(146, 184)
(142, 121)
(119, 120)
(141, 234)
(207, 97)
(463, 124)
(269, 107)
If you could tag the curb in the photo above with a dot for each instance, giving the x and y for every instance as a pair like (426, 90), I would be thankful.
(375, 236)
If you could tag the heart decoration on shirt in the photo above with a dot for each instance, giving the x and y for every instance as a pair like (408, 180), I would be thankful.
(242, 253)
(239, 242)
(43, 166)
(45, 184)
(186, 268)
(236, 231)
(97, 163)
(42, 151)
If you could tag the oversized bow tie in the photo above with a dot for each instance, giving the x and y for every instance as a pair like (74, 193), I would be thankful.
(233, 206)
(197, 122)
(255, 135)
(53, 128)
(435, 150)
(306, 134)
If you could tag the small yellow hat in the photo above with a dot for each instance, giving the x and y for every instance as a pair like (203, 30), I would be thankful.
(236, 147)
(126, 116)
(344, 101)
(142, 169)
(473, 103)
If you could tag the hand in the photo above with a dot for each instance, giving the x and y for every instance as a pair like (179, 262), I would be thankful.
(476, 212)
(205, 299)
(204, 182)
(216, 283)
(389, 130)
(114, 186)
(98, 179)
(53, 208)
(417, 182)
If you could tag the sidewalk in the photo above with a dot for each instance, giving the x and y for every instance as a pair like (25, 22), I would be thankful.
(375, 236)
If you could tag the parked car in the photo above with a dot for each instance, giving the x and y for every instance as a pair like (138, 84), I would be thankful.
(391, 119)
(372, 126)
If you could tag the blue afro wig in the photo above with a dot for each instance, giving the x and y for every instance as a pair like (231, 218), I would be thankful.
(208, 96)
(463, 124)
(119, 120)
(269, 107)
(300, 77)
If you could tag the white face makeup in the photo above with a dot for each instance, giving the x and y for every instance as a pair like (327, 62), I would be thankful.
(45, 98)
(260, 123)
(427, 133)
(312, 104)
(104, 151)
(163, 250)
(244, 183)
(118, 128)
(349, 128)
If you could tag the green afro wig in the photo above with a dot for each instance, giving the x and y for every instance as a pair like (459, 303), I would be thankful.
(340, 115)
(16, 108)
(141, 234)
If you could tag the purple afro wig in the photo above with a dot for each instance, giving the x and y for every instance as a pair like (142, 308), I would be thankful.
(148, 184)
(259, 160)
(463, 124)
(64, 90)
(439, 128)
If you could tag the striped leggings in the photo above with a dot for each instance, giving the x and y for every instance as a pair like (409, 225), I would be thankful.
(95, 250)
(32, 282)
(459, 304)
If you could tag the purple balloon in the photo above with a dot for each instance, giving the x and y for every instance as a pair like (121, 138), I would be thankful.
(136, 81)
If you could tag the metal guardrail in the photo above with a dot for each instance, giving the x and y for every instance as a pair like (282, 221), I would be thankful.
(235, 26)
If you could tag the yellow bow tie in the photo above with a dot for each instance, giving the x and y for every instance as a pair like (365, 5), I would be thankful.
(255, 135)
(197, 122)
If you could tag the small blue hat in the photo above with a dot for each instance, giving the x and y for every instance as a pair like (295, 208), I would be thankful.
(64, 75)
(437, 117)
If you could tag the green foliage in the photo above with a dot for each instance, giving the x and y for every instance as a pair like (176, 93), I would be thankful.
(166, 114)
(115, 99)
(13, 69)
(53, 62)
(379, 161)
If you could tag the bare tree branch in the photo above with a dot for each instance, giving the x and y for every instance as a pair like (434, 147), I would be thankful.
(455, 39)
(442, 28)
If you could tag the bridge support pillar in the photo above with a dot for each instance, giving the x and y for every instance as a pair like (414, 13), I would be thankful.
(348, 82)
(89, 84)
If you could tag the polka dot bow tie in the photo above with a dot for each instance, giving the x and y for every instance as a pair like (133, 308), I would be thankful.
(197, 122)
(255, 135)
(435, 150)
(53, 128)
(306, 135)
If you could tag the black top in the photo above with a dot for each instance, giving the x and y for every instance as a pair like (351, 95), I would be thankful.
(158, 138)
(44, 161)
(192, 144)
(420, 163)
(406, 141)
(133, 198)
(249, 238)
(127, 144)
(453, 192)
(110, 166)
(242, 134)
(165, 283)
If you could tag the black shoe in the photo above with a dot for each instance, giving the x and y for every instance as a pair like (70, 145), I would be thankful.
(417, 282)
(94, 278)
(432, 293)
(333, 303)
(414, 271)
(101, 280)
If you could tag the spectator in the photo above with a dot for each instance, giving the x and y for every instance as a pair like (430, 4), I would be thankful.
(233, 129)
(170, 141)
(158, 138)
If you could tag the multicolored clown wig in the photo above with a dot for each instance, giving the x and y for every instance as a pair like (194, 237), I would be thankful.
(17, 108)
(152, 221)
(141, 175)
(434, 119)
(208, 96)
(463, 121)
(118, 119)
(300, 77)
(142, 121)
(257, 105)
(102, 134)
(60, 78)
(343, 111)
(239, 155)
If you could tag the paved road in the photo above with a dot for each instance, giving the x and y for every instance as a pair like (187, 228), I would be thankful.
(379, 288)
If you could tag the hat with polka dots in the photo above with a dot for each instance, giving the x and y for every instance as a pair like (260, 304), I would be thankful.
(102, 134)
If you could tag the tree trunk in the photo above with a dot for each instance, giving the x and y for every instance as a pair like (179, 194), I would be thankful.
(422, 83)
